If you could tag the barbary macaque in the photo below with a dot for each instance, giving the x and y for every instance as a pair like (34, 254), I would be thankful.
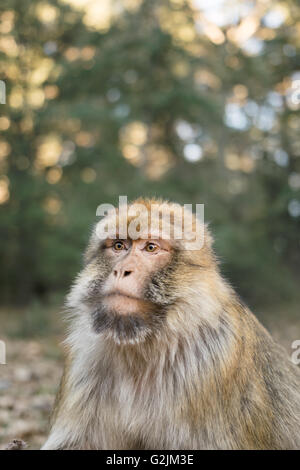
(162, 354)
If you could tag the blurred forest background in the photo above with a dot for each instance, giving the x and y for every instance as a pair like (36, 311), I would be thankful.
(197, 101)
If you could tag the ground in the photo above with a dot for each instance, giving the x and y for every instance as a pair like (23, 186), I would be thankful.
(28, 383)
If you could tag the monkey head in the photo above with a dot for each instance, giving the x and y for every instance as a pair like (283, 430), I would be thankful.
(129, 283)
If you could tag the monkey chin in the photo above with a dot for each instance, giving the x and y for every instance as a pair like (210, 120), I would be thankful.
(124, 319)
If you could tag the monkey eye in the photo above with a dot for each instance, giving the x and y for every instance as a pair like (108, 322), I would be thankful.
(151, 247)
(118, 246)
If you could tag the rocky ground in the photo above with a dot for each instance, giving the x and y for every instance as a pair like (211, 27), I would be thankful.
(28, 383)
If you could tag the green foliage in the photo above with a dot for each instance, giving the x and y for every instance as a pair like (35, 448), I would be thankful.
(99, 115)
(37, 319)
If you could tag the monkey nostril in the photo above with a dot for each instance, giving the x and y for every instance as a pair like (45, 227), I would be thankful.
(126, 273)
(115, 273)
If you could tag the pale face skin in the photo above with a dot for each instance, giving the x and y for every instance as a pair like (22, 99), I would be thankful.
(133, 264)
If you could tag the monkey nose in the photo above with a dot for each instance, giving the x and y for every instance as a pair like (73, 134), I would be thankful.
(120, 273)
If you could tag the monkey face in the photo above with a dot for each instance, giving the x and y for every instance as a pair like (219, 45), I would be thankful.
(127, 292)
(129, 284)
(133, 264)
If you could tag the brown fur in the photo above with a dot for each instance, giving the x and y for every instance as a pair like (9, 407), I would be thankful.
(210, 377)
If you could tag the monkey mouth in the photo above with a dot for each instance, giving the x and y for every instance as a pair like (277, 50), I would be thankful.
(118, 293)
(126, 304)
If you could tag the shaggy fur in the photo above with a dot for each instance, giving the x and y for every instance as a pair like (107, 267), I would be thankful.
(197, 372)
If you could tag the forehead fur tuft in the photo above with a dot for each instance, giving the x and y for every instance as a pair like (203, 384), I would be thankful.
(148, 203)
